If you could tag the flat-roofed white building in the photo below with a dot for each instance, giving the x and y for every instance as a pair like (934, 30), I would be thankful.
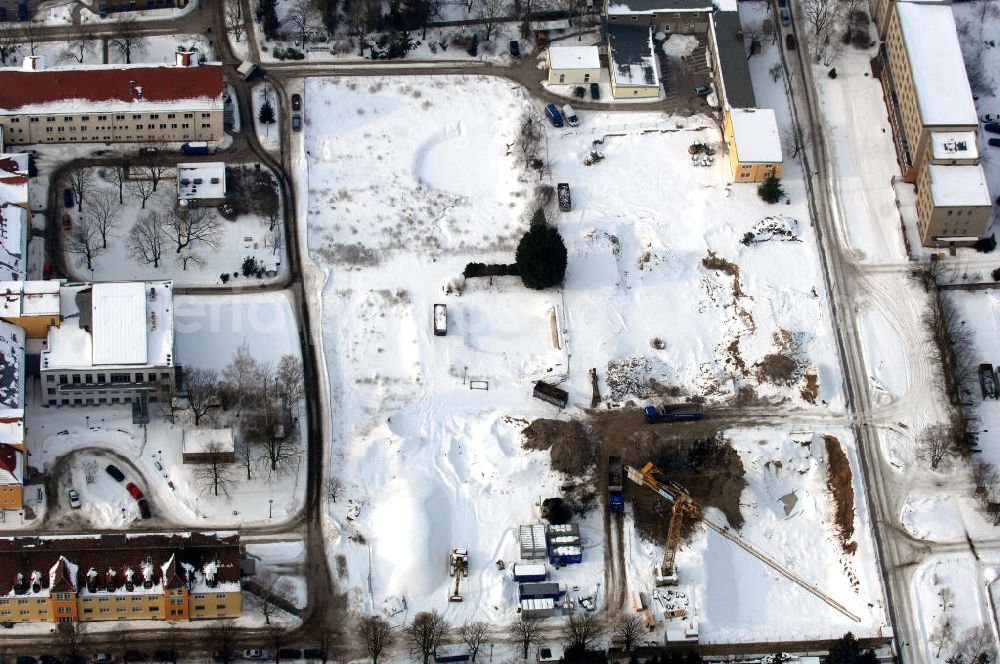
(754, 144)
(574, 65)
(953, 204)
(201, 183)
(114, 344)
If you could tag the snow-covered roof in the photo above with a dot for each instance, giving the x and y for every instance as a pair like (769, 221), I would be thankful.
(574, 57)
(959, 186)
(112, 324)
(29, 298)
(954, 145)
(11, 366)
(633, 61)
(755, 132)
(201, 180)
(14, 178)
(12, 427)
(942, 86)
(11, 465)
(200, 441)
(627, 7)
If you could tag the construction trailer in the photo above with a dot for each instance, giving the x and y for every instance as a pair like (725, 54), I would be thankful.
(532, 541)
(565, 546)
(529, 572)
(537, 608)
(452, 652)
(988, 381)
(546, 590)
(551, 394)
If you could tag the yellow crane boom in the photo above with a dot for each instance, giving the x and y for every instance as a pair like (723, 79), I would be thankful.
(652, 477)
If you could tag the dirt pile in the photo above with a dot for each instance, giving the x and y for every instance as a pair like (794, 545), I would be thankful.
(838, 481)
(571, 450)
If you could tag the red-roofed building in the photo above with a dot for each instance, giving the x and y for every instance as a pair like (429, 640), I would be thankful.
(112, 103)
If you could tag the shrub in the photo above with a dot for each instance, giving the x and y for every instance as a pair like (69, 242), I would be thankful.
(489, 270)
(996, 274)
(832, 73)
(249, 267)
(473, 48)
(770, 190)
(986, 244)
(541, 255)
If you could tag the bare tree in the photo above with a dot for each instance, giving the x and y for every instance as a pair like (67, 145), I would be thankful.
(985, 478)
(84, 242)
(142, 189)
(239, 374)
(302, 19)
(474, 634)
(10, 42)
(103, 213)
(524, 632)
(72, 638)
(223, 635)
(270, 591)
(189, 225)
(582, 630)
(80, 182)
(819, 15)
(279, 444)
(82, 43)
(425, 633)
(118, 175)
(935, 443)
(529, 138)
(953, 347)
(377, 634)
(795, 141)
(31, 35)
(202, 387)
(146, 240)
(277, 638)
(234, 19)
(290, 383)
(214, 474)
(122, 637)
(775, 72)
(188, 257)
(975, 646)
(246, 453)
(128, 39)
(156, 173)
(332, 487)
(489, 13)
(90, 468)
(627, 628)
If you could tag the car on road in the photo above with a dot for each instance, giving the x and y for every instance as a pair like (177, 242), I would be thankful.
(116, 474)
(782, 3)
(103, 658)
(256, 653)
(144, 508)
(554, 116)
(296, 102)
(786, 18)
(296, 123)
(74, 499)
(222, 656)
(134, 490)
(992, 127)
(515, 49)
(165, 656)
(48, 659)
(135, 656)
(790, 42)
(703, 90)
(67, 222)
(67, 198)
(315, 653)
(994, 142)
(289, 653)
(25, 659)
(595, 91)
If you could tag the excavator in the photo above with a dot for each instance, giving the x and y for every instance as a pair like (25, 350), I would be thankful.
(458, 567)
(683, 505)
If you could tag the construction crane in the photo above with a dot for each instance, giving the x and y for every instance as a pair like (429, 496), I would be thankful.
(684, 505)
(458, 567)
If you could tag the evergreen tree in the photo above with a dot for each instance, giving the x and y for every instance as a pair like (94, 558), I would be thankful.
(770, 190)
(266, 115)
(541, 255)
(845, 650)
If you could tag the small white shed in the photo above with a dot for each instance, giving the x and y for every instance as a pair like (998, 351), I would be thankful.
(574, 65)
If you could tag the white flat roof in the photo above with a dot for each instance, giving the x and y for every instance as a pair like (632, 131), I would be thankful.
(954, 145)
(197, 181)
(198, 441)
(29, 298)
(755, 131)
(943, 93)
(961, 186)
(574, 57)
(119, 315)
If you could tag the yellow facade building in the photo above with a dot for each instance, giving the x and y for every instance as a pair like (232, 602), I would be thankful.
(751, 135)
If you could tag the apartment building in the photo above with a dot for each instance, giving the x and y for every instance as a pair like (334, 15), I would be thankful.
(114, 344)
(754, 144)
(114, 6)
(112, 103)
(175, 577)
(667, 16)
(953, 205)
(635, 73)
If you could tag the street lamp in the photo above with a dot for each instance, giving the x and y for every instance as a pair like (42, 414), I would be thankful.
(270, 506)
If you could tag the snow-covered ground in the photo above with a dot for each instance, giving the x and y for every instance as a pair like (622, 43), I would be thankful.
(269, 135)
(431, 462)
(247, 235)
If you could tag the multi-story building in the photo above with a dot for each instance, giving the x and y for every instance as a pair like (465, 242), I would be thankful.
(934, 122)
(114, 344)
(112, 103)
(173, 577)
(754, 144)
(632, 61)
(666, 16)
(113, 6)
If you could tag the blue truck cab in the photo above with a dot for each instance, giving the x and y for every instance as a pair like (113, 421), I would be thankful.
(554, 115)
(674, 413)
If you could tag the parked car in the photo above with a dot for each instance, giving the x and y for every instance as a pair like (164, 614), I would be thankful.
(74, 499)
(74, 659)
(144, 508)
(554, 116)
(48, 659)
(782, 3)
(134, 490)
(994, 142)
(135, 656)
(595, 91)
(790, 42)
(703, 90)
(296, 123)
(579, 92)
(68, 198)
(25, 659)
(786, 18)
(992, 127)
(118, 476)
(256, 653)
(148, 150)
(989, 117)
(166, 656)
(103, 657)
(315, 653)
(570, 116)
(67, 222)
(222, 656)
(289, 653)
(515, 49)
(296, 102)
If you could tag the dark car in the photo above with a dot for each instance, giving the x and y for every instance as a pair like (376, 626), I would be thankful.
(48, 659)
(786, 18)
(114, 472)
(994, 142)
(992, 127)
(25, 659)
(579, 92)
(165, 655)
(144, 510)
(74, 659)
(296, 123)
(703, 90)
(515, 49)
(135, 656)
(134, 490)
(222, 656)
(289, 653)
(296, 102)
(595, 91)
(22, 11)
(315, 653)
(553, 114)
(782, 3)
(790, 42)
(68, 198)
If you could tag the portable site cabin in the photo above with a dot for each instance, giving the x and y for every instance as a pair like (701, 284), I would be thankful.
(551, 394)
(529, 572)
(564, 544)
(532, 541)
(537, 608)
(547, 590)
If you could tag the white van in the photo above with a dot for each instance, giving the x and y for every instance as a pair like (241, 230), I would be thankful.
(570, 116)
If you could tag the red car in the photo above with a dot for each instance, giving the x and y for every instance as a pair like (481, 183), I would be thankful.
(296, 103)
(134, 490)
(790, 42)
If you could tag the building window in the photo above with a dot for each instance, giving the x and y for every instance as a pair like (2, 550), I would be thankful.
(220, 607)
(171, 116)
(34, 119)
(119, 378)
(62, 378)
